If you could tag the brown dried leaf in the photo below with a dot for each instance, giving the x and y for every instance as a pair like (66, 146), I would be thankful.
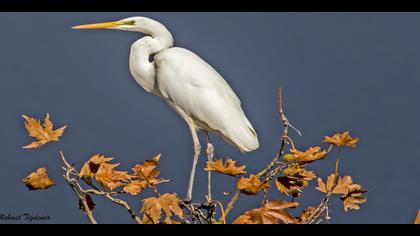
(308, 156)
(351, 194)
(294, 180)
(344, 185)
(91, 167)
(271, 213)
(325, 188)
(342, 139)
(251, 185)
(153, 207)
(43, 134)
(354, 197)
(352, 202)
(297, 171)
(148, 170)
(135, 187)
(227, 168)
(110, 179)
(144, 176)
(105, 174)
(38, 180)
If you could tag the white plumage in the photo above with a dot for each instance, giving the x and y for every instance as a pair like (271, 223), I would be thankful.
(195, 90)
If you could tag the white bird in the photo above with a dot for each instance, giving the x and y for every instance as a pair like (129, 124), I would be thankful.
(195, 90)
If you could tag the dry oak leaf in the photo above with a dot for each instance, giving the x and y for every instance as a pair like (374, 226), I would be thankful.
(227, 168)
(43, 133)
(153, 208)
(38, 180)
(308, 156)
(251, 185)
(417, 221)
(342, 139)
(271, 213)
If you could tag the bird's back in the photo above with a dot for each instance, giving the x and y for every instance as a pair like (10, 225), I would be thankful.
(192, 85)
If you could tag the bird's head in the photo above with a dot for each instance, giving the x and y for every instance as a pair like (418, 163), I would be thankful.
(138, 24)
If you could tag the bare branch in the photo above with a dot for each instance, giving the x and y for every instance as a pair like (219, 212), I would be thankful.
(76, 188)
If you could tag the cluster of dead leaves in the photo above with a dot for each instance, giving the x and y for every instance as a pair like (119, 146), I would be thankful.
(295, 177)
(154, 208)
(163, 208)
(351, 194)
(105, 174)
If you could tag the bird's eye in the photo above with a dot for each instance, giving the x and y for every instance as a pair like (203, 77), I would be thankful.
(131, 22)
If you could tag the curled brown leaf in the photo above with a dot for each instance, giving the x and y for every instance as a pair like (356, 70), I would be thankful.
(38, 180)
(251, 185)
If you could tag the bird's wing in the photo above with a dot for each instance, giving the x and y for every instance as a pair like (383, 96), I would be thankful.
(196, 88)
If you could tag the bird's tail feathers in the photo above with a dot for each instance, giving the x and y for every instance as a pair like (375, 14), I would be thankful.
(243, 136)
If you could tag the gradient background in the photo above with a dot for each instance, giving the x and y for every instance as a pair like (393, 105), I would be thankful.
(340, 71)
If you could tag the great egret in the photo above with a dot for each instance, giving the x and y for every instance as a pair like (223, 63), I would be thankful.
(188, 84)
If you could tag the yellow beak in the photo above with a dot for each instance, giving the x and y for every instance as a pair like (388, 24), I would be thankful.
(105, 25)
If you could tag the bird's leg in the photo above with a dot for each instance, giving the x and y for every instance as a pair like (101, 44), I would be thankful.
(210, 154)
(197, 149)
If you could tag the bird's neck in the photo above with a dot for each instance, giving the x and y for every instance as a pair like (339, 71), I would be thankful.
(141, 64)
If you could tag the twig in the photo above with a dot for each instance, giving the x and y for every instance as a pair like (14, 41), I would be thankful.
(198, 214)
(319, 211)
(117, 201)
(76, 188)
(283, 141)
(232, 202)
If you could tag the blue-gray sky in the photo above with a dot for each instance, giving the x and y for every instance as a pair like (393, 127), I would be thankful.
(340, 71)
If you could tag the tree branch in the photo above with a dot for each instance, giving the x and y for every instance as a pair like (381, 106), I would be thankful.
(72, 182)
(81, 193)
